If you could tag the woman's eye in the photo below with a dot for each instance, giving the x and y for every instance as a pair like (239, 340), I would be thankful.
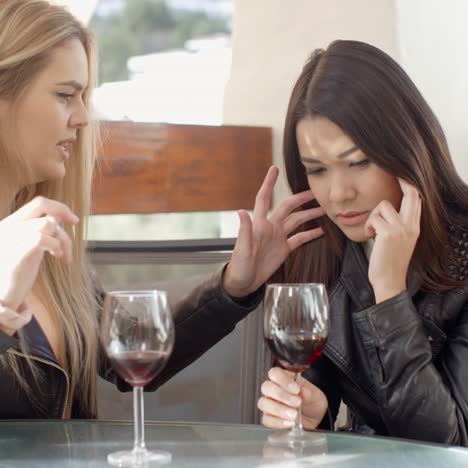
(65, 96)
(317, 171)
(364, 162)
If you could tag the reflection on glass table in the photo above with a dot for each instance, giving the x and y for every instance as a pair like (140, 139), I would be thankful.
(87, 443)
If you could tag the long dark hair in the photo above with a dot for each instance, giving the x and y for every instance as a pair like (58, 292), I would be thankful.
(369, 96)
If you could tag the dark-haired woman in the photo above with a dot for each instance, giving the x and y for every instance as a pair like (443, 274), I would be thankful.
(393, 256)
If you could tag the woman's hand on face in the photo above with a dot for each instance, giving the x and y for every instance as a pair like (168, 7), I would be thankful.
(25, 236)
(281, 399)
(263, 244)
(396, 234)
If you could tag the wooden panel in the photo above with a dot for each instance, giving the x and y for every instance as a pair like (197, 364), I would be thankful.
(154, 168)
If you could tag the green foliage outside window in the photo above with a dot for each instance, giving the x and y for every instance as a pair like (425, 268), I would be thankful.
(144, 27)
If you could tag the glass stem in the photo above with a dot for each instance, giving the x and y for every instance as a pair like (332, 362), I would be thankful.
(297, 428)
(138, 411)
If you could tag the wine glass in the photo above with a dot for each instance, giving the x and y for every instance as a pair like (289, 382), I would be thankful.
(137, 333)
(295, 327)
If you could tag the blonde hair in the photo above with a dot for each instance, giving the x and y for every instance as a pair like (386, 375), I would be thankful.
(29, 31)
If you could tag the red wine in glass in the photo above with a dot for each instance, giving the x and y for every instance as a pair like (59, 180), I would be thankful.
(296, 351)
(138, 368)
(295, 327)
(137, 333)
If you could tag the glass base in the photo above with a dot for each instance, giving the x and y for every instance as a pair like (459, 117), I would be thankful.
(139, 458)
(296, 438)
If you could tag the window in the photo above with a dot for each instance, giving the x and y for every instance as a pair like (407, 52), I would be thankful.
(162, 61)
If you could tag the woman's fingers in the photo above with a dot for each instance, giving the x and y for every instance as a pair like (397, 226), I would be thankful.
(45, 215)
(280, 400)
(48, 225)
(290, 204)
(276, 409)
(45, 243)
(384, 217)
(265, 194)
(51, 237)
(387, 211)
(375, 224)
(409, 203)
(283, 378)
(11, 320)
(244, 238)
(294, 220)
(271, 390)
(303, 237)
(41, 206)
(65, 242)
(276, 423)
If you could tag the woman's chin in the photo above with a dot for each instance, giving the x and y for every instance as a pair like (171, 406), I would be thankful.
(50, 176)
(57, 172)
(357, 234)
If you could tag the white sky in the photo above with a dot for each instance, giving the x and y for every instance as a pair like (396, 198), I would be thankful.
(82, 9)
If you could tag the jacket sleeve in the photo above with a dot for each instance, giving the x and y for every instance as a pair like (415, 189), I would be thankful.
(418, 398)
(202, 319)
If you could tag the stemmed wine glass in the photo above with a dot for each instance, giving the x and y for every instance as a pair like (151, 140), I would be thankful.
(137, 333)
(295, 327)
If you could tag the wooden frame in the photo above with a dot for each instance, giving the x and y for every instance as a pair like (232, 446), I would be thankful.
(154, 168)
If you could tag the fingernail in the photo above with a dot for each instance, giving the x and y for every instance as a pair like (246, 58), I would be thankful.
(291, 414)
(293, 387)
(295, 401)
(75, 218)
(287, 423)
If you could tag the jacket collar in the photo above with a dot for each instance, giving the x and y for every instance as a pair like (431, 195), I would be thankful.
(355, 277)
(37, 342)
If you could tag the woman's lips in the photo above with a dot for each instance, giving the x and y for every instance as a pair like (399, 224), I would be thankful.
(352, 218)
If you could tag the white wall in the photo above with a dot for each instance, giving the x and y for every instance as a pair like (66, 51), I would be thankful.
(433, 40)
(273, 38)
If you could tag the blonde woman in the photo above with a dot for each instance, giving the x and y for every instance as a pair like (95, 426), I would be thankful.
(49, 305)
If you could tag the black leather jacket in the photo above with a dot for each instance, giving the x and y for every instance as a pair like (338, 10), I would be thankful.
(401, 366)
(203, 318)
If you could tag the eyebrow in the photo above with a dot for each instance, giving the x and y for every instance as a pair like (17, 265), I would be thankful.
(73, 84)
(342, 155)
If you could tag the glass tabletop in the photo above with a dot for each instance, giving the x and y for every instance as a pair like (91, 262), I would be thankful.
(87, 443)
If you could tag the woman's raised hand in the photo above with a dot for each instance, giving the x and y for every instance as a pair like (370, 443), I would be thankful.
(263, 243)
(25, 236)
(394, 232)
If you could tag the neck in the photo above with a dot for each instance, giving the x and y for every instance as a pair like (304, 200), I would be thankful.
(368, 246)
(5, 206)
(7, 197)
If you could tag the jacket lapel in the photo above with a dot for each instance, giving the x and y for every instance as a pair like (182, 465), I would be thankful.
(36, 341)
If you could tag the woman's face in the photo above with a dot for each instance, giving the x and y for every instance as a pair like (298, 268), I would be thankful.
(346, 184)
(50, 112)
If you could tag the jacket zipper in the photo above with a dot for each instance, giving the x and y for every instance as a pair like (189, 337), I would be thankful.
(45, 361)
